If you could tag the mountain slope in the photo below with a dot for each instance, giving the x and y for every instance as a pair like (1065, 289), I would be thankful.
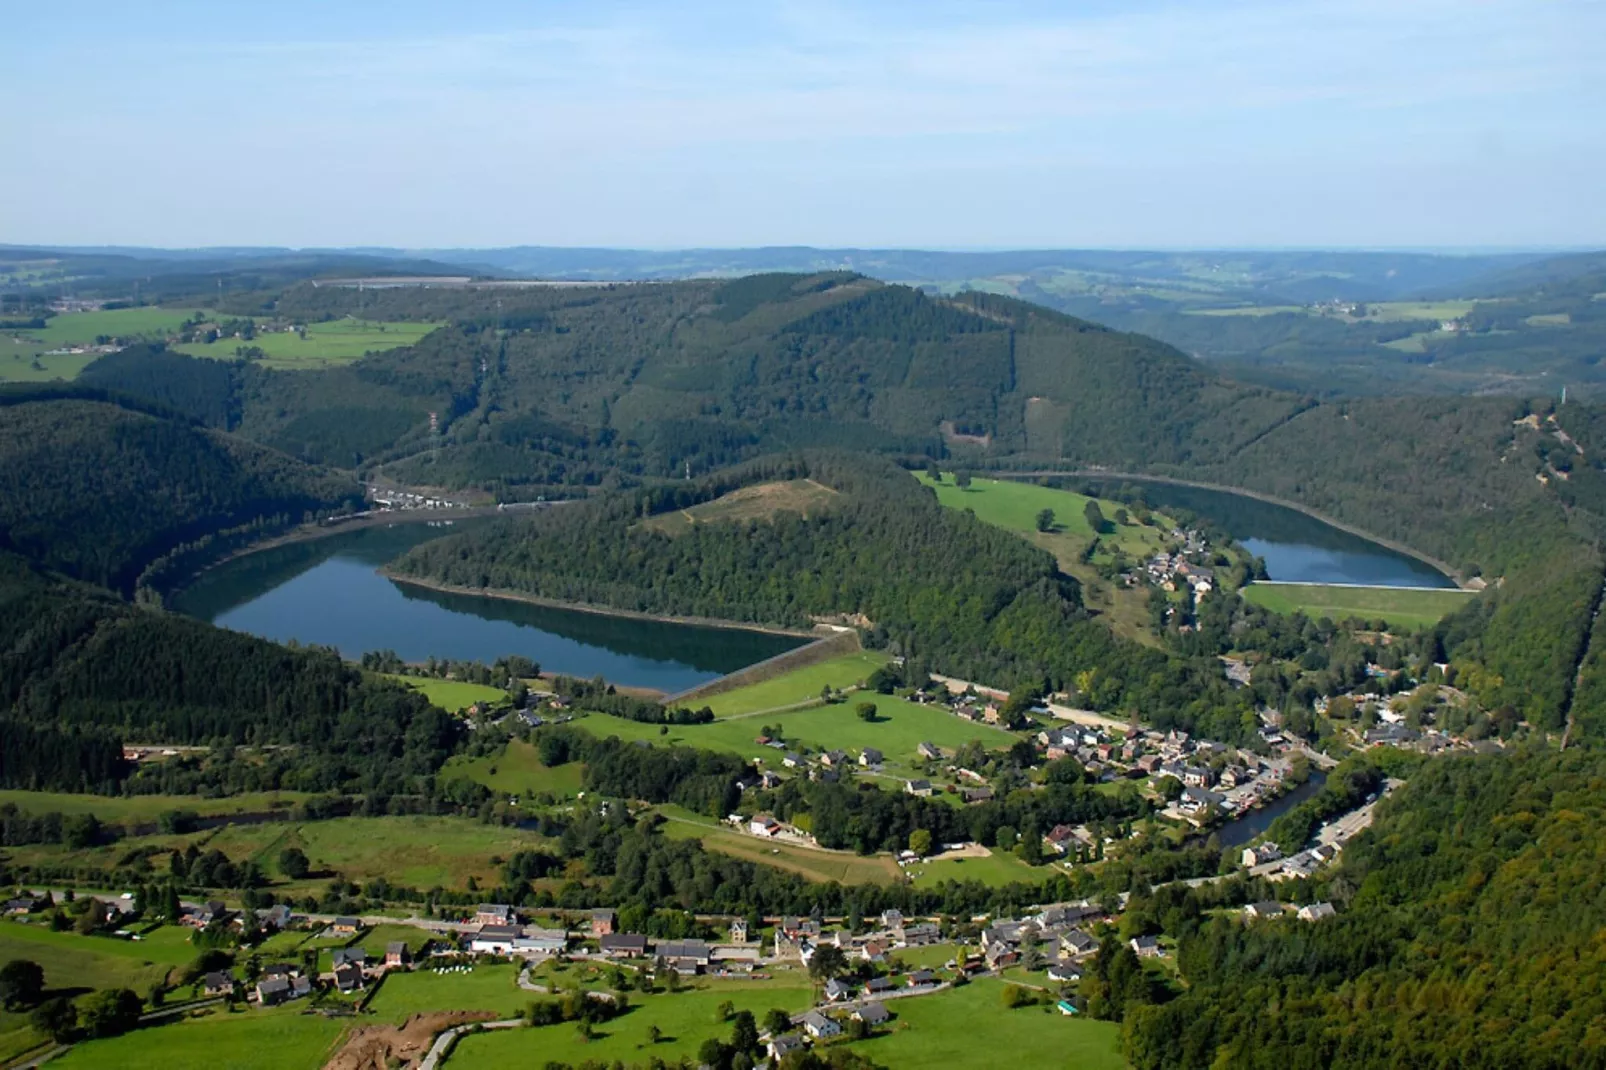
(98, 491)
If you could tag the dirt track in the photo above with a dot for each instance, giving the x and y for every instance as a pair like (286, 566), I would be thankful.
(372, 1047)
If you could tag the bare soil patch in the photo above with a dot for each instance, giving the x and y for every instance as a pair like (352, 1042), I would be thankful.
(373, 1047)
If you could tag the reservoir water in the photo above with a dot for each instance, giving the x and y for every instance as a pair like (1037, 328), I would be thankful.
(328, 592)
(1296, 548)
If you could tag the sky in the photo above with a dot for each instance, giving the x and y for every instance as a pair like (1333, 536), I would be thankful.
(1119, 124)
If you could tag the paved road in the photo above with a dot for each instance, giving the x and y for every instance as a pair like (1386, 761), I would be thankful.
(443, 1043)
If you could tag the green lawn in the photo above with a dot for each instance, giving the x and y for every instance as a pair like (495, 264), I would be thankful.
(83, 962)
(1401, 608)
(17, 363)
(374, 940)
(285, 1038)
(932, 956)
(685, 1019)
(81, 328)
(485, 988)
(450, 695)
(334, 342)
(968, 1029)
(800, 685)
(517, 771)
(823, 866)
(1015, 506)
(415, 850)
(996, 870)
(899, 728)
(117, 808)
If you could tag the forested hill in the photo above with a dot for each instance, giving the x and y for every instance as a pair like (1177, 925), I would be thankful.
(1471, 936)
(81, 672)
(955, 595)
(557, 390)
(99, 491)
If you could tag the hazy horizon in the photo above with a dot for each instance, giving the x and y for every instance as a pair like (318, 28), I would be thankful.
(1230, 125)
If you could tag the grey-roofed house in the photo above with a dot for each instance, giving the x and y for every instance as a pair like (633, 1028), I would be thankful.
(1264, 909)
(873, 1014)
(837, 990)
(348, 979)
(349, 956)
(1316, 911)
(819, 1026)
(782, 1046)
(623, 945)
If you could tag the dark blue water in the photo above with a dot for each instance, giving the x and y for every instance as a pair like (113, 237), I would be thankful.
(1296, 548)
(328, 592)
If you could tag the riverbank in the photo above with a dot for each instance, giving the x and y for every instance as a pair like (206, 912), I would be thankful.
(340, 525)
(600, 611)
(1444, 568)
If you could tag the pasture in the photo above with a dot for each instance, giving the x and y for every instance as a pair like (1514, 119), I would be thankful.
(144, 808)
(1402, 608)
(799, 686)
(449, 695)
(1014, 506)
(684, 1020)
(996, 869)
(285, 1038)
(898, 729)
(967, 1029)
(812, 863)
(758, 502)
(517, 771)
(319, 345)
(484, 988)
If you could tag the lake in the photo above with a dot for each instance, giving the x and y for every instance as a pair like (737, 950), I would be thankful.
(327, 592)
(1296, 548)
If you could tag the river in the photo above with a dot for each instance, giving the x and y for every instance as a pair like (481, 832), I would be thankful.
(1296, 548)
(1241, 831)
(328, 592)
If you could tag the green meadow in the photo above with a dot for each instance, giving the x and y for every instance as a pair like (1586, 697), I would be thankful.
(517, 770)
(899, 728)
(287, 1038)
(997, 869)
(1014, 506)
(1401, 608)
(968, 1028)
(799, 686)
(450, 695)
(684, 1020)
(322, 344)
(121, 808)
(814, 864)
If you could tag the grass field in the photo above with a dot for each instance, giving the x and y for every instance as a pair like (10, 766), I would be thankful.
(815, 865)
(1014, 506)
(450, 695)
(138, 808)
(517, 771)
(758, 502)
(899, 728)
(996, 870)
(486, 988)
(287, 1038)
(81, 963)
(82, 328)
(969, 1029)
(325, 344)
(685, 1019)
(415, 850)
(800, 685)
(1406, 609)
(17, 363)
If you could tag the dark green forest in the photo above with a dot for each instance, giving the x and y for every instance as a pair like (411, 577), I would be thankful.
(1469, 937)
(98, 490)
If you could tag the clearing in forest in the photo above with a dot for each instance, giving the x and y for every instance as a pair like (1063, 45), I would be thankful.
(758, 502)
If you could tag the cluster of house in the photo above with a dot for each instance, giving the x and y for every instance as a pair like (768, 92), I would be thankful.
(1266, 860)
(817, 1025)
(801, 938)
(500, 933)
(1056, 932)
(1174, 571)
(391, 498)
(1272, 909)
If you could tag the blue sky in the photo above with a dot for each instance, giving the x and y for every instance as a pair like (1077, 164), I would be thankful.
(1109, 124)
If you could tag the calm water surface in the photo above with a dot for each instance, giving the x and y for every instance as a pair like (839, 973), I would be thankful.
(1297, 548)
(328, 592)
